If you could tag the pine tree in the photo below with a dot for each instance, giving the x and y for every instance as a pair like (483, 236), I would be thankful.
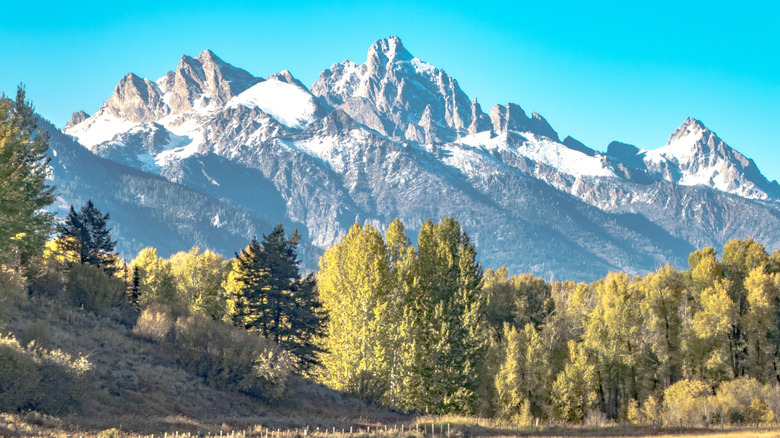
(135, 287)
(246, 293)
(24, 225)
(270, 297)
(86, 234)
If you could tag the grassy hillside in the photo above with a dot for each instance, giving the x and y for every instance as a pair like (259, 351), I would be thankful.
(142, 386)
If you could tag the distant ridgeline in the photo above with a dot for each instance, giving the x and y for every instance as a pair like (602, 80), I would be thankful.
(211, 155)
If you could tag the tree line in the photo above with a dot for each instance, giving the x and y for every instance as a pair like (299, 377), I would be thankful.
(425, 329)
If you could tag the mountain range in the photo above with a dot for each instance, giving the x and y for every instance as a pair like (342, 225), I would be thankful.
(212, 155)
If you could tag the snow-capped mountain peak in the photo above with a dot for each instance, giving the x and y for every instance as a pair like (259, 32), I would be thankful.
(397, 137)
(282, 97)
(387, 50)
(695, 155)
(689, 127)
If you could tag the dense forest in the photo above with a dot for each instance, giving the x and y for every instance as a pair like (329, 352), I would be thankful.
(420, 328)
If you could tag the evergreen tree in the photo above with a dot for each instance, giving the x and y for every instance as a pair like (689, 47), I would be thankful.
(24, 225)
(86, 234)
(135, 287)
(245, 286)
(270, 297)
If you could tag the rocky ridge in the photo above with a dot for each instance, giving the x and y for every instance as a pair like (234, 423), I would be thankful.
(397, 137)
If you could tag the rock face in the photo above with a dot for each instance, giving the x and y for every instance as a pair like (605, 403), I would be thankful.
(394, 90)
(136, 100)
(397, 137)
(76, 118)
(203, 81)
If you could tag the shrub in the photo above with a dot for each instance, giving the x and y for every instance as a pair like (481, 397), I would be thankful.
(12, 290)
(47, 276)
(32, 378)
(228, 356)
(651, 410)
(736, 397)
(223, 355)
(90, 287)
(686, 402)
(37, 332)
(155, 323)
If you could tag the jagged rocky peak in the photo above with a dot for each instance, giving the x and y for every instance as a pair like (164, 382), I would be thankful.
(136, 99)
(76, 118)
(693, 144)
(392, 90)
(203, 80)
(511, 117)
(689, 126)
(695, 155)
(540, 126)
(479, 120)
(287, 77)
(387, 50)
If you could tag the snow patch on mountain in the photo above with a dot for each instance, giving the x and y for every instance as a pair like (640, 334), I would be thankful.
(99, 128)
(542, 150)
(287, 103)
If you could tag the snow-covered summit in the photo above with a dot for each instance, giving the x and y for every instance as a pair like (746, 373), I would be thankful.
(695, 155)
(282, 97)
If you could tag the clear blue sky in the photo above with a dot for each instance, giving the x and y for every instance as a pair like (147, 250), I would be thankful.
(598, 71)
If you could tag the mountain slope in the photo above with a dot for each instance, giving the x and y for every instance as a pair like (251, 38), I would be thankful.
(397, 137)
(147, 210)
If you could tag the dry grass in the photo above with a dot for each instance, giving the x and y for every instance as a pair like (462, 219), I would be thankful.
(136, 385)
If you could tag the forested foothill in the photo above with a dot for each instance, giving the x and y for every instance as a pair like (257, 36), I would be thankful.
(384, 324)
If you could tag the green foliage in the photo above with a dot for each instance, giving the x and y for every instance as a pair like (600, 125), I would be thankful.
(157, 284)
(524, 378)
(86, 234)
(518, 300)
(405, 326)
(24, 224)
(613, 336)
(354, 282)
(268, 295)
(445, 322)
(574, 391)
(198, 278)
(88, 286)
